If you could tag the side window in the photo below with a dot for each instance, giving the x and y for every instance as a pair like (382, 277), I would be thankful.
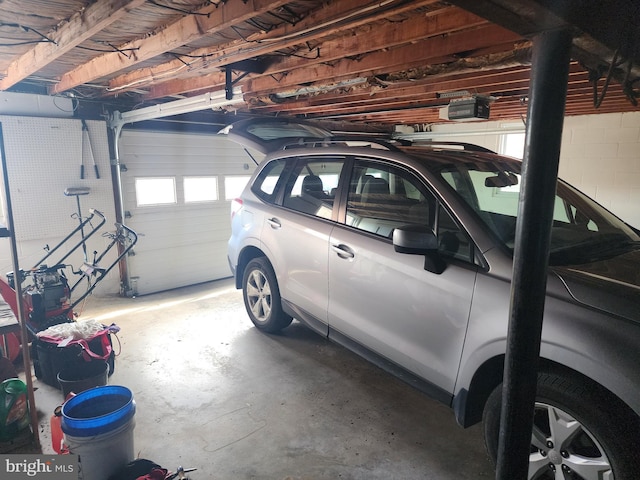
(311, 187)
(383, 197)
(267, 180)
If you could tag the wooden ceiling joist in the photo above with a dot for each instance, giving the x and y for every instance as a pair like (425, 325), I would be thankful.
(366, 60)
(295, 72)
(512, 82)
(289, 72)
(347, 14)
(80, 27)
(213, 18)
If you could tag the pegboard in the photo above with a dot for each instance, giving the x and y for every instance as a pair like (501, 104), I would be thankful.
(43, 159)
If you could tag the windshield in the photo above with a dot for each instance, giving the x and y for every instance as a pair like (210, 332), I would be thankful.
(582, 230)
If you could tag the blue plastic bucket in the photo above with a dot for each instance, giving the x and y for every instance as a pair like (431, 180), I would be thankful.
(98, 426)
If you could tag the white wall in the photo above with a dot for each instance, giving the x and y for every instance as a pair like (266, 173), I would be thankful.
(43, 157)
(600, 155)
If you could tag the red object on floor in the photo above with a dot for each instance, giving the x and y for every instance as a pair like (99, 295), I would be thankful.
(57, 438)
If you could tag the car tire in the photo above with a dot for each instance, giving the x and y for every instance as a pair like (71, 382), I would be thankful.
(262, 296)
(591, 425)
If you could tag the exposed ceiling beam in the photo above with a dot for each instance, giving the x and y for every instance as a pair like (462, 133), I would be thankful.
(398, 100)
(402, 92)
(417, 41)
(343, 14)
(186, 85)
(214, 18)
(605, 32)
(338, 64)
(81, 26)
(415, 55)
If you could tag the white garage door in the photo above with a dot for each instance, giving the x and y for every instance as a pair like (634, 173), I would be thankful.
(177, 189)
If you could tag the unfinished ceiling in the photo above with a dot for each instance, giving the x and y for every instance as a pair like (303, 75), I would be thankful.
(380, 62)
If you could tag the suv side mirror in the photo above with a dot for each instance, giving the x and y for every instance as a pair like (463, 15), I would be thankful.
(419, 240)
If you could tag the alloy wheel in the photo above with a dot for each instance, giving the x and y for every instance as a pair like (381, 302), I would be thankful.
(259, 295)
(563, 449)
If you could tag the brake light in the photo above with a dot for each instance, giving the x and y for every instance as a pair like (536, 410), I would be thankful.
(236, 205)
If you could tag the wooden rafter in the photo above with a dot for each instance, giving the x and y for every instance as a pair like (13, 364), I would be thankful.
(401, 93)
(345, 14)
(416, 37)
(398, 102)
(369, 60)
(432, 50)
(214, 18)
(80, 27)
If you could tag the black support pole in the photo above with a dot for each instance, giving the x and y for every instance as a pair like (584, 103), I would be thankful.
(547, 96)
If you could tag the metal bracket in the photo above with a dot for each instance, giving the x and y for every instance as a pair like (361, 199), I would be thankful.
(246, 66)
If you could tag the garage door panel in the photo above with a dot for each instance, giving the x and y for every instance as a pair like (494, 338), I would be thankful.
(181, 243)
(201, 229)
(171, 273)
(178, 240)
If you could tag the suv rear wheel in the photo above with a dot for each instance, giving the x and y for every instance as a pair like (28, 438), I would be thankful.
(262, 296)
(579, 432)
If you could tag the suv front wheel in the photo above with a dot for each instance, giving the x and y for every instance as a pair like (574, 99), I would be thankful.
(579, 431)
(262, 296)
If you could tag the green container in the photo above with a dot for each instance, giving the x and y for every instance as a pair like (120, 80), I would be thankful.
(14, 409)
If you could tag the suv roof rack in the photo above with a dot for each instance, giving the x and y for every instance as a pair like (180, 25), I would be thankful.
(464, 145)
(385, 144)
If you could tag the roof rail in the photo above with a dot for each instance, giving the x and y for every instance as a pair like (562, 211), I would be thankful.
(465, 146)
(380, 143)
(343, 141)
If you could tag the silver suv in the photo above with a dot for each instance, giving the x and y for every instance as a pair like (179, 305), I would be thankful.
(403, 254)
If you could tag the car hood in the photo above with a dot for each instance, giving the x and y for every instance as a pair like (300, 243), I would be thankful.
(612, 285)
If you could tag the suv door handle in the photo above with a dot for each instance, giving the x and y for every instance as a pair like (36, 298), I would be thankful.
(343, 251)
(274, 223)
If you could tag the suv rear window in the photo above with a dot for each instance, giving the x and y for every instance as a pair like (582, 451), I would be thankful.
(267, 180)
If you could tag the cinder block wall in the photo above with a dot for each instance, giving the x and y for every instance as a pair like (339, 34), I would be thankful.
(601, 156)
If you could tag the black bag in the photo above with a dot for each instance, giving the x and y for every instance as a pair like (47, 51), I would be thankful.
(49, 359)
(136, 469)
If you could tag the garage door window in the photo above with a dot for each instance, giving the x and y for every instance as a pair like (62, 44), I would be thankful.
(155, 191)
(200, 189)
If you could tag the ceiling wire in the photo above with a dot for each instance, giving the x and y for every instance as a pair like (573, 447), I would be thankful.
(331, 23)
(43, 38)
(328, 24)
(179, 10)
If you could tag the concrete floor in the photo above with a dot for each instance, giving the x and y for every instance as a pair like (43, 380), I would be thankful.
(214, 393)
